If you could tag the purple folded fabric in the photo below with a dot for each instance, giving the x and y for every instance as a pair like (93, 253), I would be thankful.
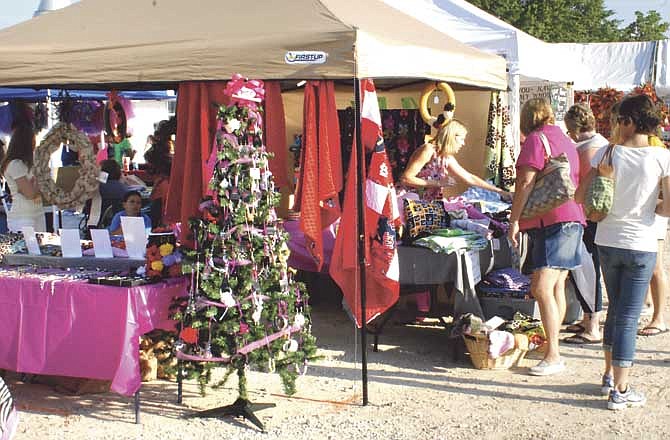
(508, 278)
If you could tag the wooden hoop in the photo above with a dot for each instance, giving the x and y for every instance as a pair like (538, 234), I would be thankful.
(425, 95)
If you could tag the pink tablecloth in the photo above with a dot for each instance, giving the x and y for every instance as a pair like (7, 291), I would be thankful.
(72, 328)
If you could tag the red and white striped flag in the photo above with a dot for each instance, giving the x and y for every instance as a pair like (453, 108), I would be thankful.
(381, 220)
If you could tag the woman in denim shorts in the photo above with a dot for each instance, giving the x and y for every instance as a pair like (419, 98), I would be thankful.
(626, 239)
(555, 236)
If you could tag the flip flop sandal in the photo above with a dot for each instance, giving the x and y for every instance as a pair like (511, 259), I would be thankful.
(581, 340)
(651, 330)
(575, 328)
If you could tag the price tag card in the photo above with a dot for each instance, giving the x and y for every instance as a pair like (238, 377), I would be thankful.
(134, 235)
(102, 246)
(70, 243)
(31, 240)
(472, 264)
(496, 244)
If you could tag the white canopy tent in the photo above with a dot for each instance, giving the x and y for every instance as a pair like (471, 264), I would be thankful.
(167, 41)
(588, 66)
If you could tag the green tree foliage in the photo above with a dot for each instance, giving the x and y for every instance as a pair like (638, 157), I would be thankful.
(645, 27)
(573, 21)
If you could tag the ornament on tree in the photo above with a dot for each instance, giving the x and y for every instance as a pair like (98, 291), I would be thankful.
(244, 306)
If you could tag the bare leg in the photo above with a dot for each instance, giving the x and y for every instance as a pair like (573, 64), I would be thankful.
(559, 295)
(608, 363)
(543, 285)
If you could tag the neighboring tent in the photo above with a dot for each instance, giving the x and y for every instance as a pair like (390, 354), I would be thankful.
(8, 93)
(588, 66)
(662, 72)
(144, 41)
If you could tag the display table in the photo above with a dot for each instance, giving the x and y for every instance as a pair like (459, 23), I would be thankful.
(72, 328)
(112, 264)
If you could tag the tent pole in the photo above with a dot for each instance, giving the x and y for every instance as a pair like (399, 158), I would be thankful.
(361, 236)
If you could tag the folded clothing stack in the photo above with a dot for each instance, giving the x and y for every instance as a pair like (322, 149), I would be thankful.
(505, 282)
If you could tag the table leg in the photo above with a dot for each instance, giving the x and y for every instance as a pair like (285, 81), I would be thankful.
(137, 407)
(180, 380)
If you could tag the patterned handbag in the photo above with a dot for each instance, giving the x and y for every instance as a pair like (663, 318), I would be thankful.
(600, 193)
(553, 185)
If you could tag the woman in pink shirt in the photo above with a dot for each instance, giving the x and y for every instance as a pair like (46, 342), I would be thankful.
(555, 236)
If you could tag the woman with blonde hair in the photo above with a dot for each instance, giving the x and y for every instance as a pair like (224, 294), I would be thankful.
(581, 125)
(555, 236)
(433, 166)
(627, 241)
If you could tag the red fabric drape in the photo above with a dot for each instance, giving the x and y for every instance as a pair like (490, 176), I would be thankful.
(275, 133)
(197, 105)
(381, 217)
(320, 178)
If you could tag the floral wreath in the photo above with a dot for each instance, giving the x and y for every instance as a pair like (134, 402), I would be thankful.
(449, 107)
(87, 183)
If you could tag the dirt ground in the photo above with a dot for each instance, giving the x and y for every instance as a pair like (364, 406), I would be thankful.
(416, 390)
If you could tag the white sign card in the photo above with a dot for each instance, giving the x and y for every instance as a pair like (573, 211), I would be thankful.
(102, 246)
(134, 235)
(70, 243)
(472, 265)
(31, 240)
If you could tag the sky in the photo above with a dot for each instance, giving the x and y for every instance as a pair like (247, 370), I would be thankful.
(14, 11)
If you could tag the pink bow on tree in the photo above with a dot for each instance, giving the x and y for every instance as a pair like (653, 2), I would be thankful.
(245, 93)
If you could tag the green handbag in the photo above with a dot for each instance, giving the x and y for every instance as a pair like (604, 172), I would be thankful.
(600, 193)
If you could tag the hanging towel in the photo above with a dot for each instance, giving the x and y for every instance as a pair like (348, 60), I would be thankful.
(320, 179)
(275, 133)
(196, 114)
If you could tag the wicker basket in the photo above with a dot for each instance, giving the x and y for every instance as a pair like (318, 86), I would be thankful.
(478, 347)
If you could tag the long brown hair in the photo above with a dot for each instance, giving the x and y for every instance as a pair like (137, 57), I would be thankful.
(20, 147)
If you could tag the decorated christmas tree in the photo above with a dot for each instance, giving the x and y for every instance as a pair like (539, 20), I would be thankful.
(244, 309)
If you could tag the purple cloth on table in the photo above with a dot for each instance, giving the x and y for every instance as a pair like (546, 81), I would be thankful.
(72, 328)
(508, 278)
(300, 256)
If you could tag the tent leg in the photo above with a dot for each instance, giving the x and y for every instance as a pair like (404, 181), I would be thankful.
(361, 238)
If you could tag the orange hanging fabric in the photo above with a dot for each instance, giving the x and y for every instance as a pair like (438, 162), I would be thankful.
(320, 179)
(197, 106)
(275, 133)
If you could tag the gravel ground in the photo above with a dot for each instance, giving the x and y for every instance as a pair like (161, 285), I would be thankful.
(416, 390)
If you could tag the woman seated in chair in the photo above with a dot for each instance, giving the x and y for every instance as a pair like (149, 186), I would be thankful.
(113, 190)
(132, 204)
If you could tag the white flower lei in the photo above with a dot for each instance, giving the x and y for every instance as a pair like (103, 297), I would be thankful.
(87, 184)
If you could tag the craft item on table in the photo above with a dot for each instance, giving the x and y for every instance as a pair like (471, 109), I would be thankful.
(421, 217)
(467, 324)
(163, 257)
(531, 328)
(487, 201)
(478, 226)
(122, 280)
(452, 240)
(457, 214)
(7, 242)
(499, 343)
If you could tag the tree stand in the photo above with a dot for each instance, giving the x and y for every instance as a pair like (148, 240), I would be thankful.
(242, 407)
